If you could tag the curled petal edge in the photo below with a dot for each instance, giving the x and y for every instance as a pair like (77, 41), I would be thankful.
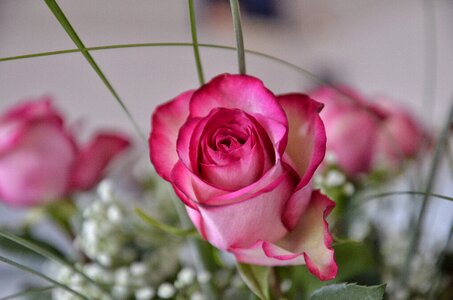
(276, 254)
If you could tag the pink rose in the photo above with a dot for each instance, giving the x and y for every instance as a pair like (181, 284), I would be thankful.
(40, 160)
(365, 135)
(241, 159)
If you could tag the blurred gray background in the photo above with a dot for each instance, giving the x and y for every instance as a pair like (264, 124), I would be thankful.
(388, 47)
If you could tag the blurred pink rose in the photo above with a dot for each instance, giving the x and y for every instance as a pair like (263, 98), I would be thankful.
(40, 160)
(241, 159)
(364, 135)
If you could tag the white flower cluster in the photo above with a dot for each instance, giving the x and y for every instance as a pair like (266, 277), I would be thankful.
(122, 264)
(123, 283)
(334, 180)
(394, 248)
(103, 235)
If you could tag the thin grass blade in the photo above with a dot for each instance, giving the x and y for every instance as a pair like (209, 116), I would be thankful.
(41, 275)
(49, 255)
(56, 10)
(196, 51)
(236, 14)
(28, 292)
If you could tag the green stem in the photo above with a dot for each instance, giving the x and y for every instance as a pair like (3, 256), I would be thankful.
(304, 72)
(196, 52)
(236, 14)
(301, 70)
(36, 273)
(386, 194)
(415, 238)
(56, 10)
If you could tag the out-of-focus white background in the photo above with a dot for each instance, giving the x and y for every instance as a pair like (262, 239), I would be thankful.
(379, 47)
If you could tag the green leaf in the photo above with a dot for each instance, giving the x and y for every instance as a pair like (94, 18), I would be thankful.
(352, 291)
(28, 292)
(164, 227)
(10, 246)
(256, 278)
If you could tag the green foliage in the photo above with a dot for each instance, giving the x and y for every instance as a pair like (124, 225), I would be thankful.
(352, 291)
(11, 246)
(256, 278)
(164, 227)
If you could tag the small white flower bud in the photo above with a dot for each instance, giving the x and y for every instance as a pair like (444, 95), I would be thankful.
(145, 293)
(166, 290)
(89, 231)
(286, 285)
(335, 178)
(138, 269)
(186, 276)
(120, 292)
(114, 214)
(122, 276)
(104, 259)
(330, 158)
(349, 189)
(105, 190)
(197, 296)
(203, 277)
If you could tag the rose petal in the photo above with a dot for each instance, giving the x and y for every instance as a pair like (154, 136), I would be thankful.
(191, 186)
(352, 138)
(37, 168)
(94, 158)
(296, 206)
(10, 134)
(243, 223)
(306, 136)
(166, 122)
(400, 136)
(33, 110)
(245, 93)
(199, 191)
(197, 220)
(309, 243)
(311, 236)
(195, 131)
(237, 174)
(256, 255)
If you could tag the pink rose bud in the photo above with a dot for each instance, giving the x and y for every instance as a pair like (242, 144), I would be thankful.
(365, 135)
(40, 160)
(241, 159)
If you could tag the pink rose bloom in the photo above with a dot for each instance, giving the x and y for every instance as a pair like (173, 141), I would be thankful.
(40, 160)
(241, 159)
(365, 135)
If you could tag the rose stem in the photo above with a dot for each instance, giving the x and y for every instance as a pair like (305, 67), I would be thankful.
(236, 14)
(415, 238)
(196, 52)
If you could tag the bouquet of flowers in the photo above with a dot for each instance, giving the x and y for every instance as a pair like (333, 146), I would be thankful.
(255, 195)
